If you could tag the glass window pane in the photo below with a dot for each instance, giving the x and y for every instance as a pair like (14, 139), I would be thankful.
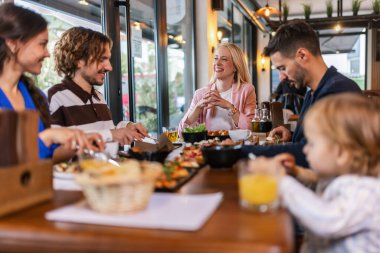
(144, 65)
(62, 15)
(238, 27)
(180, 57)
(347, 54)
(225, 23)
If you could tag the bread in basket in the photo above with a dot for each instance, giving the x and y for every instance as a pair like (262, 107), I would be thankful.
(113, 189)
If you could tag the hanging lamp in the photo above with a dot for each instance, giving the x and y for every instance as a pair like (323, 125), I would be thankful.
(267, 11)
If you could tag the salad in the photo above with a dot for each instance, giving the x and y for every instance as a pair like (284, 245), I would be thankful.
(196, 129)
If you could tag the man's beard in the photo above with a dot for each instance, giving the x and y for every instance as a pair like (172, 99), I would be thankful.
(92, 81)
(299, 77)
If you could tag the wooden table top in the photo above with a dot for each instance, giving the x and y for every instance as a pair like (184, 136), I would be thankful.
(230, 229)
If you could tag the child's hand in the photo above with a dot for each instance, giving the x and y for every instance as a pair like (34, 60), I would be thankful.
(288, 162)
(263, 164)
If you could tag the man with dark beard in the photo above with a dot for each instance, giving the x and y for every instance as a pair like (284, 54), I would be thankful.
(295, 52)
(83, 57)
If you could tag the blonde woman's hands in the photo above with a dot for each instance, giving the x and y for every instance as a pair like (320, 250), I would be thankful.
(213, 98)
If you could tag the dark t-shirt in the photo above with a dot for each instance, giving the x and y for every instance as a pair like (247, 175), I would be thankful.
(332, 83)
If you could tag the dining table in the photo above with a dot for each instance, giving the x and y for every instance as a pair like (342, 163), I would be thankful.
(229, 229)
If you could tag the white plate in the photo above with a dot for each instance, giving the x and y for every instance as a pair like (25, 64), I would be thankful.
(63, 175)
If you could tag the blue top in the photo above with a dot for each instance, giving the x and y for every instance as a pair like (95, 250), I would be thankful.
(44, 151)
(332, 83)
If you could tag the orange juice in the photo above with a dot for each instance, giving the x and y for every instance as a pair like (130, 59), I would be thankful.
(258, 189)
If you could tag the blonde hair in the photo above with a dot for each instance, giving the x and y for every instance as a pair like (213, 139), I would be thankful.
(351, 121)
(242, 74)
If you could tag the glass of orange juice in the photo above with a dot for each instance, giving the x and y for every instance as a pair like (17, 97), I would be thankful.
(257, 188)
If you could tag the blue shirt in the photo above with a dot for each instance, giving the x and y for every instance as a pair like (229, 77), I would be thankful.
(44, 151)
(331, 83)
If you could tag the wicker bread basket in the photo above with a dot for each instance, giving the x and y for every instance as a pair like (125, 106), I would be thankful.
(114, 191)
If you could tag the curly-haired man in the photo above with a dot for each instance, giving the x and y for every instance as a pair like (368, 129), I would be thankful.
(83, 57)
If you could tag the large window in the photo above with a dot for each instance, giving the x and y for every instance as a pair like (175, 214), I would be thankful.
(60, 15)
(180, 57)
(346, 51)
(235, 27)
(144, 76)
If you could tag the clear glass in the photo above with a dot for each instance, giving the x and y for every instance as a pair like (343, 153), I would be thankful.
(258, 187)
(144, 65)
(180, 57)
(171, 133)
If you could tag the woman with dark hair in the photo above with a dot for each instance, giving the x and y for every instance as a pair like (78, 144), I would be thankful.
(23, 47)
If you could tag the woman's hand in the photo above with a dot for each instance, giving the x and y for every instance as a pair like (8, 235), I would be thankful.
(213, 98)
(73, 139)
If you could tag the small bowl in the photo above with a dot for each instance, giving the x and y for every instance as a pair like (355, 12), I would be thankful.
(158, 156)
(194, 137)
(221, 156)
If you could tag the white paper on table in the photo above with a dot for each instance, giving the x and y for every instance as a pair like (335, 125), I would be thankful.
(165, 211)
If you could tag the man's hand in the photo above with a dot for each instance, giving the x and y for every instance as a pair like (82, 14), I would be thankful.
(139, 128)
(124, 136)
(283, 132)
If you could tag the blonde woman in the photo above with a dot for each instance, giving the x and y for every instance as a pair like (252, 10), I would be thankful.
(229, 101)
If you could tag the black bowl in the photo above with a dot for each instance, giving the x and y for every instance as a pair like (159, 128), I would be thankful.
(194, 137)
(158, 156)
(221, 156)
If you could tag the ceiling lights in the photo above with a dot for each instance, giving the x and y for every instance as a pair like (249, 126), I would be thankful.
(267, 11)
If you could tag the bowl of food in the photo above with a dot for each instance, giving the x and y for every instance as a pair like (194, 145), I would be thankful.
(118, 189)
(220, 134)
(195, 134)
(221, 156)
(154, 156)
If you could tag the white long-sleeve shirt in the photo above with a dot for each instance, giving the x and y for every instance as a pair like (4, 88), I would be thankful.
(345, 218)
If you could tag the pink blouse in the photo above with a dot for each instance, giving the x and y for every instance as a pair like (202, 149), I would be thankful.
(244, 99)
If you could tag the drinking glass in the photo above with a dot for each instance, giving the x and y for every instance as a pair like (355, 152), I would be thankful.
(257, 187)
(171, 133)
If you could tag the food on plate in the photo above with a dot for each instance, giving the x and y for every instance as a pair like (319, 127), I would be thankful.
(172, 171)
(192, 154)
(67, 167)
(218, 133)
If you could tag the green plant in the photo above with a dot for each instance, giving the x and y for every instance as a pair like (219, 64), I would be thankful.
(285, 11)
(356, 6)
(376, 6)
(307, 10)
(329, 8)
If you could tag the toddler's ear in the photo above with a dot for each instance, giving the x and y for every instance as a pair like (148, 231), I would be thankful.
(343, 157)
